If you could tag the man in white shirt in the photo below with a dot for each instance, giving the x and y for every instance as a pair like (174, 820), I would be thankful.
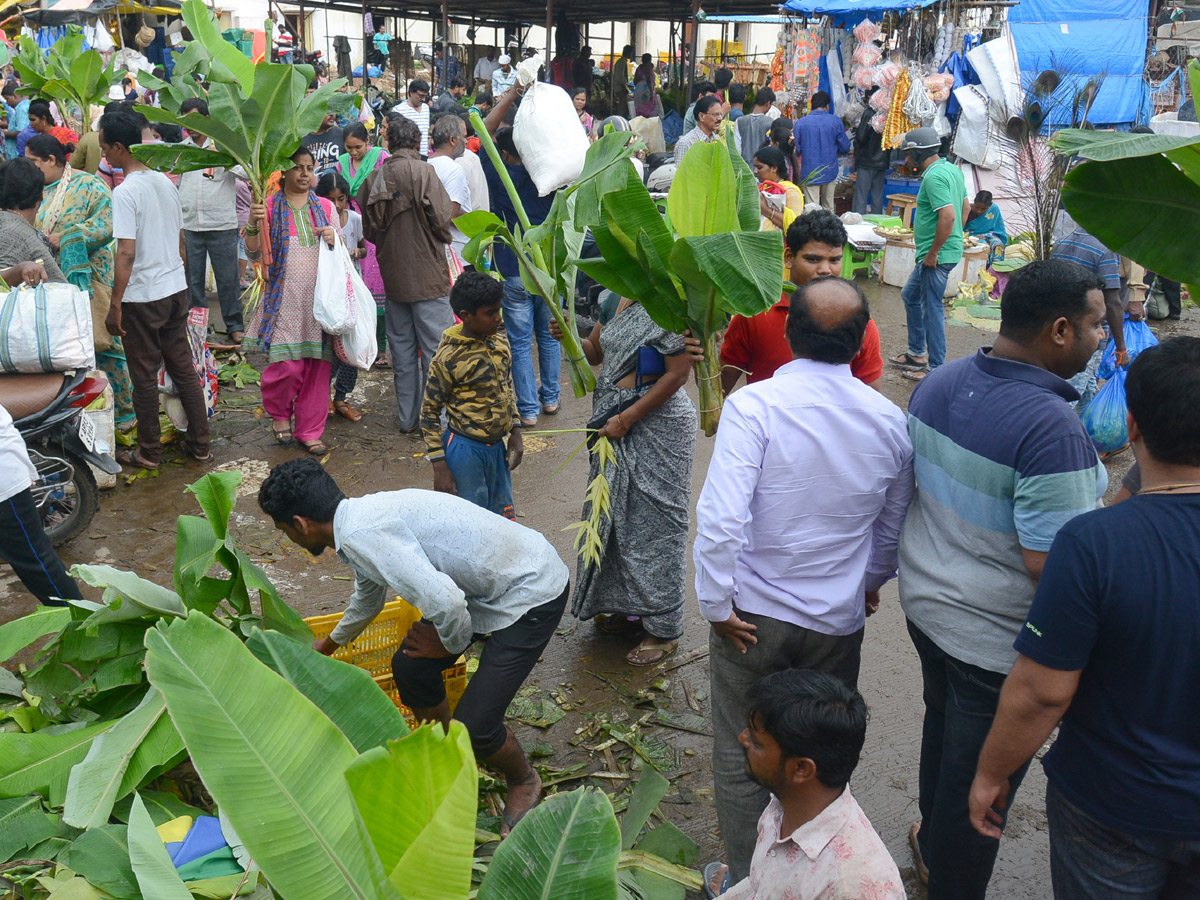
(208, 200)
(476, 179)
(448, 141)
(504, 78)
(150, 299)
(415, 108)
(23, 542)
(484, 68)
(471, 578)
(797, 528)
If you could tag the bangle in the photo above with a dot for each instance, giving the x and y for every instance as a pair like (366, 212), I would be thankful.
(622, 422)
(251, 232)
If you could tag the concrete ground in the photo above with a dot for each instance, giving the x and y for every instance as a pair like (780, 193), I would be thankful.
(585, 670)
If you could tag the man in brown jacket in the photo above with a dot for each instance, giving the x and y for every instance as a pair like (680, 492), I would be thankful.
(407, 216)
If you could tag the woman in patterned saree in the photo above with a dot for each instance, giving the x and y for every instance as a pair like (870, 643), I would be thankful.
(295, 383)
(639, 585)
(76, 218)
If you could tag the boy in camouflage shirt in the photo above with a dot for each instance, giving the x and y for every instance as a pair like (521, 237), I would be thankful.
(470, 377)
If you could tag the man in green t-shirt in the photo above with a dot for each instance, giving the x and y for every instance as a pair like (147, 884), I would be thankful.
(380, 40)
(938, 231)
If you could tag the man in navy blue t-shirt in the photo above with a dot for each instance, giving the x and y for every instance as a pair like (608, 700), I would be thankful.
(1110, 649)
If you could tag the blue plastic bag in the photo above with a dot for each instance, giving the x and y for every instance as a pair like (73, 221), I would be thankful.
(1138, 337)
(1104, 417)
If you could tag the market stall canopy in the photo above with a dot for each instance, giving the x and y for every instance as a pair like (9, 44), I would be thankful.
(79, 12)
(853, 11)
(1082, 40)
(483, 12)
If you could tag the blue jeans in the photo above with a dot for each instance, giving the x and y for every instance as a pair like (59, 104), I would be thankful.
(1090, 861)
(922, 296)
(960, 703)
(480, 472)
(525, 317)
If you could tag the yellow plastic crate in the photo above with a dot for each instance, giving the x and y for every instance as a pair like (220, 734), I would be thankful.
(374, 648)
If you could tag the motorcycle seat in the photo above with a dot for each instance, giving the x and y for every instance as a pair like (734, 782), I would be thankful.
(24, 395)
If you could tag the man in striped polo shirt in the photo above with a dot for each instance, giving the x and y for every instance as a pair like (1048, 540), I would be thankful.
(415, 108)
(1002, 462)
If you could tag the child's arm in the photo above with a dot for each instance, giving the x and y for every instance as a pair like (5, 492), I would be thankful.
(437, 395)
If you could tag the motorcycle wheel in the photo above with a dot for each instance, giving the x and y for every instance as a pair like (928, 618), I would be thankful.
(71, 504)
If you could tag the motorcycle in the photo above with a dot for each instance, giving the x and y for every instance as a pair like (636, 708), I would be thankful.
(61, 442)
(315, 59)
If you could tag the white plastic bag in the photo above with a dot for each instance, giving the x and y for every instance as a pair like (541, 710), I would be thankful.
(47, 328)
(334, 303)
(359, 347)
(547, 133)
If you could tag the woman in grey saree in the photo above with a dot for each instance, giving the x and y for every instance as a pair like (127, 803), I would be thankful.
(644, 559)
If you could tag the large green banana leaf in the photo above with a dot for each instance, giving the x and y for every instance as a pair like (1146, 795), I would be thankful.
(418, 799)
(229, 64)
(119, 760)
(23, 824)
(216, 492)
(74, 78)
(101, 855)
(126, 596)
(647, 794)
(566, 848)
(41, 763)
(271, 759)
(18, 634)
(704, 192)
(276, 614)
(345, 693)
(152, 867)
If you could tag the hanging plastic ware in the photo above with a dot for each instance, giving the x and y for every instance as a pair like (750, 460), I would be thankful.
(863, 78)
(1104, 417)
(881, 100)
(866, 30)
(1138, 337)
(867, 54)
(879, 122)
(886, 75)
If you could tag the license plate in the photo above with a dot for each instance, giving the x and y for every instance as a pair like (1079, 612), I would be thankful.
(87, 432)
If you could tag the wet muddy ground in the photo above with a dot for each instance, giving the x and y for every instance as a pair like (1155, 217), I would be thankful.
(664, 710)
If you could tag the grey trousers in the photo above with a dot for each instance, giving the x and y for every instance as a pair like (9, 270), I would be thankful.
(781, 645)
(868, 191)
(413, 326)
(222, 248)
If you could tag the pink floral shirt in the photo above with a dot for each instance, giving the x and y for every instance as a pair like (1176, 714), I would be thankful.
(836, 856)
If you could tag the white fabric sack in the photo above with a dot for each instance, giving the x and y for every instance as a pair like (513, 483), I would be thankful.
(359, 347)
(47, 328)
(547, 133)
(974, 139)
(335, 299)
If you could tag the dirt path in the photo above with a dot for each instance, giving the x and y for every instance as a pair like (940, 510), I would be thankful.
(136, 525)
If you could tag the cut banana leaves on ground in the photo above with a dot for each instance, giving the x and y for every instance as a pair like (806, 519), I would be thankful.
(1139, 195)
(716, 263)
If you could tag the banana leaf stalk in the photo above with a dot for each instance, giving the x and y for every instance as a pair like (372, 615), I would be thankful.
(534, 268)
(597, 505)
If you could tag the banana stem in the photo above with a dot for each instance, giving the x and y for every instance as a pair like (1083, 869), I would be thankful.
(708, 380)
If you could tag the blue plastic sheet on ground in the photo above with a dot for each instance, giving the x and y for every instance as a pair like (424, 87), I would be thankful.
(1064, 35)
(1138, 337)
(1104, 417)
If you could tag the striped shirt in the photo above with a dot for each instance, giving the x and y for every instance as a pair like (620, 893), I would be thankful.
(1002, 463)
(418, 116)
(1082, 248)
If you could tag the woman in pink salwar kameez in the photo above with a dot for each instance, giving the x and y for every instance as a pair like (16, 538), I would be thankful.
(295, 384)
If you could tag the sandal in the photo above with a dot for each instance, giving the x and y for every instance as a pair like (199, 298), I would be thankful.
(710, 872)
(662, 648)
(316, 448)
(907, 361)
(207, 457)
(129, 456)
(283, 436)
(346, 411)
(922, 869)
(915, 374)
(611, 624)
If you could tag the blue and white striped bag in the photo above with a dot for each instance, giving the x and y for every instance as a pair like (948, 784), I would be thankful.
(47, 328)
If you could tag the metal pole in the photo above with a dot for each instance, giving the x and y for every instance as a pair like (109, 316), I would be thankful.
(303, 43)
(691, 57)
(612, 68)
(445, 82)
(549, 25)
(363, 34)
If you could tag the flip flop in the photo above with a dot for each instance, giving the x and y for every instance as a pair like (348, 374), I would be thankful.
(128, 456)
(346, 411)
(512, 823)
(922, 869)
(915, 374)
(709, 871)
(207, 457)
(316, 448)
(665, 648)
(611, 624)
(907, 361)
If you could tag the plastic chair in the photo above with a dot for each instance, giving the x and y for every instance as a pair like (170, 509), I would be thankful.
(854, 261)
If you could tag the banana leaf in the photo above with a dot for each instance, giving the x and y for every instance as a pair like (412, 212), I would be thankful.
(566, 848)
(152, 867)
(101, 855)
(271, 760)
(713, 209)
(126, 596)
(228, 64)
(141, 743)
(345, 693)
(1106, 146)
(76, 79)
(418, 799)
(23, 824)
(18, 634)
(276, 614)
(647, 794)
(41, 763)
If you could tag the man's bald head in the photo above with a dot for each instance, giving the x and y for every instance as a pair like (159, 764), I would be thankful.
(826, 320)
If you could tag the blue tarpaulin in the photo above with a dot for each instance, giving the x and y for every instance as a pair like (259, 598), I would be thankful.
(1084, 39)
(853, 11)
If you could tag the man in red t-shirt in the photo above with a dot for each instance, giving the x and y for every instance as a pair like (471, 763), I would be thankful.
(757, 346)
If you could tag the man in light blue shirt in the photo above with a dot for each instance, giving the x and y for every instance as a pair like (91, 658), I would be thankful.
(790, 558)
(17, 109)
(820, 137)
(472, 574)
